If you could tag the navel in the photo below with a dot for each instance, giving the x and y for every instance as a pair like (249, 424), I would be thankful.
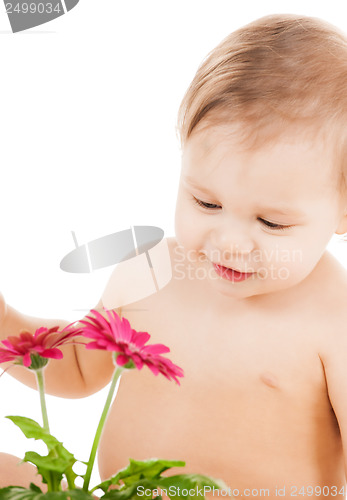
(269, 379)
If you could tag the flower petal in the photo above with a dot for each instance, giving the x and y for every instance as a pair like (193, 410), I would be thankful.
(140, 338)
(44, 342)
(27, 359)
(52, 353)
(156, 349)
(115, 334)
(122, 360)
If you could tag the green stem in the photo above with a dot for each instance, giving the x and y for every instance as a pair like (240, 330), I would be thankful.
(52, 483)
(41, 386)
(70, 478)
(116, 375)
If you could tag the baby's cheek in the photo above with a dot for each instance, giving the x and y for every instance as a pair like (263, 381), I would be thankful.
(189, 236)
(183, 228)
(290, 273)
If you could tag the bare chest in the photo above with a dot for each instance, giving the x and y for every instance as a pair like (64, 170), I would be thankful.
(237, 350)
(254, 387)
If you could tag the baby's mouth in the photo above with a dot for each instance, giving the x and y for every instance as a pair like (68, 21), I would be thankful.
(231, 274)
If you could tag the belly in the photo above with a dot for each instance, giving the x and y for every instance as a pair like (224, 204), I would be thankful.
(252, 435)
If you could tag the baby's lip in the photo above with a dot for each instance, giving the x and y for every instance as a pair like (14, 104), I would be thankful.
(233, 269)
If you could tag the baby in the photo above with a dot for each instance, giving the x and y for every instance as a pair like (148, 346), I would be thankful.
(255, 311)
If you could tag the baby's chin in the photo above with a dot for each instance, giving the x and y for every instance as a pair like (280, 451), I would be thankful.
(258, 291)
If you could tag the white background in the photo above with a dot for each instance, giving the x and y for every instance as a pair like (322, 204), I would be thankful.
(88, 143)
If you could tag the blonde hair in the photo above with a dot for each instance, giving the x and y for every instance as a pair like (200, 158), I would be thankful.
(278, 72)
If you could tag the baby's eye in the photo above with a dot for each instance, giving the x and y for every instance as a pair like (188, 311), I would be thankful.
(210, 206)
(272, 225)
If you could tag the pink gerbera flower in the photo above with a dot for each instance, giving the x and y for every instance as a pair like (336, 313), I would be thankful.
(116, 335)
(44, 343)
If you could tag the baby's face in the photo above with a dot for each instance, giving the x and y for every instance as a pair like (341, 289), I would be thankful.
(269, 212)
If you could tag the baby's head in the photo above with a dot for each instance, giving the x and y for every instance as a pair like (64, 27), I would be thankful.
(277, 75)
(264, 139)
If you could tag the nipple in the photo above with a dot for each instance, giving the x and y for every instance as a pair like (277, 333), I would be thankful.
(269, 379)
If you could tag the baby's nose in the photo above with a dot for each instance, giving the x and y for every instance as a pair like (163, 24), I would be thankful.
(232, 241)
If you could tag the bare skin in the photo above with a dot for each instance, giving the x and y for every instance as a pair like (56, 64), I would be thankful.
(253, 407)
(16, 473)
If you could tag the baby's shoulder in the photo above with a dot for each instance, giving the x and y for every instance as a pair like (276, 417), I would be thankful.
(333, 284)
(143, 278)
(332, 305)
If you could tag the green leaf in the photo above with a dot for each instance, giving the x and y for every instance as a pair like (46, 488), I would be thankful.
(49, 462)
(78, 495)
(52, 467)
(32, 429)
(187, 482)
(183, 486)
(138, 469)
(33, 487)
(58, 462)
(49, 476)
(18, 493)
(128, 492)
(139, 476)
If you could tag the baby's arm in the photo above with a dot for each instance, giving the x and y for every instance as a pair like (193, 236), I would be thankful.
(80, 373)
(335, 367)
